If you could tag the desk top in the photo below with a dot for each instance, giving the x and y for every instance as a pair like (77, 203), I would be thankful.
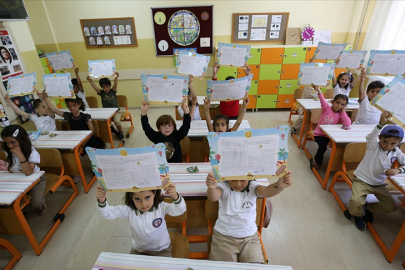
(65, 139)
(310, 104)
(399, 179)
(357, 133)
(200, 100)
(96, 113)
(193, 184)
(13, 184)
(199, 128)
(116, 261)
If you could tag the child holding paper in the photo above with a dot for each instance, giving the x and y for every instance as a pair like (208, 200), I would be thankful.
(44, 119)
(167, 134)
(109, 100)
(331, 115)
(235, 237)
(78, 88)
(343, 84)
(146, 213)
(194, 111)
(368, 114)
(370, 175)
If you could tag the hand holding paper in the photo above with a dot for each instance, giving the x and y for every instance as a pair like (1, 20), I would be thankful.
(100, 194)
(211, 182)
(285, 181)
(171, 191)
(144, 107)
(385, 116)
(184, 106)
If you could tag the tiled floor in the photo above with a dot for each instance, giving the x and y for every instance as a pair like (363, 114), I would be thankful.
(307, 231)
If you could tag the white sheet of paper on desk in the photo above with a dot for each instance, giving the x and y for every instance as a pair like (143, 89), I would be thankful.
(165, 89)
(350, 60)
(314, 75)
(60, 61)
(21, 85)
(100, 69)
(192, 65)
(57, 86)
(258, 34)
(257, 155)
(388, 63)
(232, 56)
(133, 170)
(394, 101)
(235, 90)
(330, 52)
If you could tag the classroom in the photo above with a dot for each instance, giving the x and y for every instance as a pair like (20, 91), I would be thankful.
(310, 225)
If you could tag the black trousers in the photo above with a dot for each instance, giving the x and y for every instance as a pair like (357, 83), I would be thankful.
(323, 145)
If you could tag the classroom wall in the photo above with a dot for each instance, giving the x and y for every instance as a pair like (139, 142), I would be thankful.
(55, 25)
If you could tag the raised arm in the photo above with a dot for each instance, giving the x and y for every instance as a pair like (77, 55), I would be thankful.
(355, 81)
(185, 127)
(193, 107)
(362, 92)
(274, 189)
(242, 112)
(79, 81)
(49, 104)
(215, 70)
(50, 112)
(207, 104)
(15, 108)
(149, 132)
(213, 192)
(114, 88)
(93, 84)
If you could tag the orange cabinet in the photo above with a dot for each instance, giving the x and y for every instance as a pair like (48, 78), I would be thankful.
(255, 72)
(338, 71)
(272, 56)
(268, 87)
(290, 71)
(285, 101)
(252, 102)
(310, 54)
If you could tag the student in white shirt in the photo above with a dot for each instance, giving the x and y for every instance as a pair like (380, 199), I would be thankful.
(235, 237)
(193, 104)
(44, 119)
(370, 175)
(146, 212)
(344, 83)
(78, 88)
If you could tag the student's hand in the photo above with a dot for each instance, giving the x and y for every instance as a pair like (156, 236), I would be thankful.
(44, 94)
(171, 191)
(384, 117)
(215, 69)
(89, 78)
(285, 181)
(144, 107)
(100, 194)
(392, 172)
(344, 108)
(190, 79)
(311, 60)
(337, 61)
(245, 102)
(247, 69)
(17, 151)
(211, 182)
(7, 98)
(327, 84)
(317, 88)
(76, 70)
(185, 107)
(116, 74)
(194, 101)
(207, 104)
(363, 74)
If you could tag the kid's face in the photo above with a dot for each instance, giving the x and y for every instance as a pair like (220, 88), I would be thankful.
(372, 93)
(166, 129)
(220, 125)
(76, 89)
(344, 80)
(11, 142)
(143, 200)
(41, 110)
(338, 105)
(238, 185)
(387, 144)
(73, 107)
(106, 88)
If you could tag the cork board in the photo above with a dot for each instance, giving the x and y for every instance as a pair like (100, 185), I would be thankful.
(116, 32)
(259, 27)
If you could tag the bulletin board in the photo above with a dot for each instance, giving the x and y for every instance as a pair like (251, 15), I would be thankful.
(122, 35)
(259, 27)
(188, 27)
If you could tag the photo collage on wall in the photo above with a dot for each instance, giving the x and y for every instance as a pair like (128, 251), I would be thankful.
(10, 64)
(109, 34)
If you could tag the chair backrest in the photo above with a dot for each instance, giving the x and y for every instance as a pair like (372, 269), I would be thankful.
(315, 116)
(206, 149)
(402, 147)
(329, 93)
(298, 93)
(202, 111)
(353, 154)
(96, 128)
(122, 101)
(92, 101)
(51, 161)
(185, 145)
(178, 116)
(217, 110)
(354, 115)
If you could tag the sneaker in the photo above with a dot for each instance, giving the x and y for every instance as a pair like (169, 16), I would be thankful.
(293, 131)
(314, 165)
(368, 215)
(114, 130)
(25, 213)
(76, 178)
(41, 209)
(121, 136)
(360, 224)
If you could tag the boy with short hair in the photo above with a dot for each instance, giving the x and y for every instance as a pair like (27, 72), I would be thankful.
(109, 100)
(370, 175)
(235, 236)
(78, 88)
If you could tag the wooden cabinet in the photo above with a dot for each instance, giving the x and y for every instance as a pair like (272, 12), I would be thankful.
(266, 101)
(285, 101)
(287, 87)
(268, 87)
(253, 88)
(295, 55)
(272, 56)
(255, 72)
(224, 72)
(270, 72)
(252, 102)
(290, 71)
(256, 55)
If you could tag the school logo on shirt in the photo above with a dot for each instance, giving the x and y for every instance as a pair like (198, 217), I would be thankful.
(157, 222)
(393, 159)
(247, 205)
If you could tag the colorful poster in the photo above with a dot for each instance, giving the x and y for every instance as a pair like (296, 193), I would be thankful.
(101, 68)
(391, 62)
(233, 55)
(58, 85)
(192, 63)
(21, 85)
(164, 89)
(329, 51)
(10, 64)
(229, 90)
(60, 60)
(315, 73)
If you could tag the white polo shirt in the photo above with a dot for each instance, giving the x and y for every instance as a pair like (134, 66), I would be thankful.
(34, 158)
(367, 115)
(341, 90)
(43, 123)
(237, 211)
(149, 230)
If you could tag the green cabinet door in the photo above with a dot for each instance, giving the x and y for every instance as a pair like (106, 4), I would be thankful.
(256, 54)
(44, 65)
(227, 71)
(287, 87)
(295, 55)
(253, 88)
(266, 101)
(270, 72)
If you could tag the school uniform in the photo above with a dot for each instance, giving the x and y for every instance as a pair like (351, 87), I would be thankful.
(370, 177)
(149, 229)
(235, 235)
(43, 123)
(341, 90)
(109, 100)
(367, 115)
(196, 115)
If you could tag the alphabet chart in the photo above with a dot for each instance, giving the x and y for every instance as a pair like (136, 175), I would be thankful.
(249, 154)
(131, 169)
(386, 62)
(229, 90)
(232, 54)
(164, 89)
(60, 60)
(329, 51)
(101, 68)
(315, 73)
(192, 63)
(58, 85)
(21, 85)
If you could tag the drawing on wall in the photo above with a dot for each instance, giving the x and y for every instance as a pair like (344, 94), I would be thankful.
(183, 27)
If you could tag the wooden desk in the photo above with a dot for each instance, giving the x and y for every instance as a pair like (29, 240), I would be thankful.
(103, 116)
(116, 261)
(72, 140)
(307, 106)
(341, 137)
(200, 100)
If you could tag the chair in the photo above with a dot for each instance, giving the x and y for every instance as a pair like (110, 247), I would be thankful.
(92, 101)
(125, 116)
(206, 149)
(329, 93)
(200, 109)
(180, 243)
(315, 116)
(353, 155)
(354, 115)
(294, 109)
(16, 254)
(211, 213)
(185, 148)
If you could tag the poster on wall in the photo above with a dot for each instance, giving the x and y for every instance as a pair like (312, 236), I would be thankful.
(10, 64)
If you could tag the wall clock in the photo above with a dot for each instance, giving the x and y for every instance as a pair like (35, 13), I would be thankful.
(163, 45)
(293, 36)
(307, 33)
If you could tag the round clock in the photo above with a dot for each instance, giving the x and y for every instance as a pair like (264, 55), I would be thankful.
(308, 33)
(160, 18)
(163, 45)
